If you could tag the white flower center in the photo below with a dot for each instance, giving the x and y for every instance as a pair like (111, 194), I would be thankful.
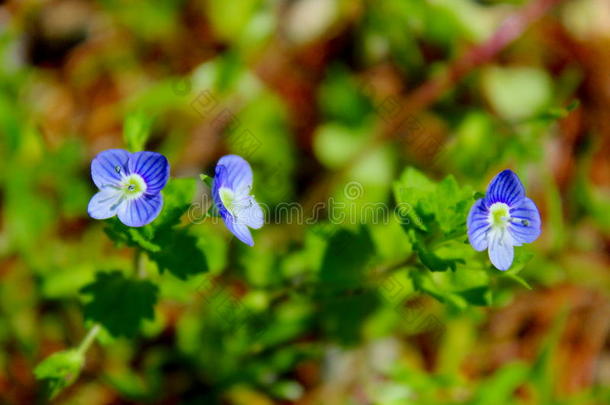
(499, 215)
(233, 202)
(133, 186)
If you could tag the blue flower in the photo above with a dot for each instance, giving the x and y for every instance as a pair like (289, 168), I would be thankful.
(231, 191)
(130, 186)
(503, 219)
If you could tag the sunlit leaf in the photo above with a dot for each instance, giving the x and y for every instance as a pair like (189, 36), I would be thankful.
(59, 370)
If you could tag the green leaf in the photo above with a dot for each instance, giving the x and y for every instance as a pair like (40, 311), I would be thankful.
(451, 205)
(136, 130)
(346, 258)
(424, 281)
(434, 262)
(574, 104)
(413, 186)
(59, 370)
(343, 102)
(141, 238)
(335, 144)
(207, 180)
(177, 199)
(519, 280)
(411, 192)
(556, 113)
(517, 92)
(171, 248)
(230, 20)
(120, 304)
(420, 200)
(500, 388)
(180, 254)
(522, 258)
(431, 213)
(480, 296)
(543, 372)
(344, 304)
(342, 315)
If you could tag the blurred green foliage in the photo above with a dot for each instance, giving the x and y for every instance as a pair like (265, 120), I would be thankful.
(346, 304)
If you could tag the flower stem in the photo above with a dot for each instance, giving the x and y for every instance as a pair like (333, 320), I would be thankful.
(88, 340)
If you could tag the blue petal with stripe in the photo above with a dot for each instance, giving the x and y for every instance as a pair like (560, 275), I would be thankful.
(153, 167)
(109, 167)
(140, 211)
(526, 223)
(240, 230)
(233, 172)
(478, 225)
(506, 188)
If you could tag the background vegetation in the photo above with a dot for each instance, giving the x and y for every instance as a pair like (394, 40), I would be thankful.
(415, 102)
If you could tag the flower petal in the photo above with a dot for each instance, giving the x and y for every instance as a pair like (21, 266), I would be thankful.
(222, 210)
(153, 167)
(501, 250)
(105, 203)
(109, 166)
(526, 223)
(240, 230)
(478, 225)
(250, 215)
(506, 188)
(233, 172)
(140, 211)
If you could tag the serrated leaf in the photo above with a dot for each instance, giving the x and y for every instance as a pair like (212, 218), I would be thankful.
(180, 254)
(413, 188)
(121, 234)
(411, 192)
(423, 281)
(480, 296)
(59, 370)
(170, 247)
(451, 204)
(406, 212)
(120, 304)
(434, 262)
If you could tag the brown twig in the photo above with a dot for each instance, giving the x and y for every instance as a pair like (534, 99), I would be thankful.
(425, 95)
(511, 28)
